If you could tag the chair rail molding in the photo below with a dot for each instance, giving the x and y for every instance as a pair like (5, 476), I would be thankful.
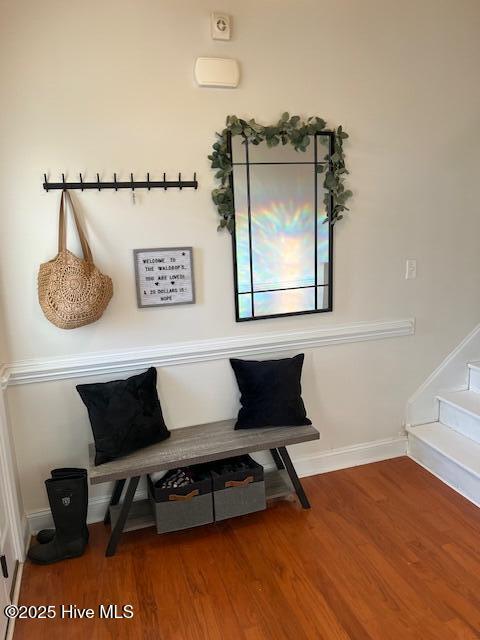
(98, 363)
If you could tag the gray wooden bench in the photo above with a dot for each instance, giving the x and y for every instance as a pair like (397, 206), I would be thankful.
(195, 445)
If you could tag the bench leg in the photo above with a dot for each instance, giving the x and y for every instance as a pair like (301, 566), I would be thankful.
(115, 499)
(294, 478)
(277, 459)
(122, 517)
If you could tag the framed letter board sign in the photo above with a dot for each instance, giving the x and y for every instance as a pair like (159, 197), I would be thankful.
(164, 276)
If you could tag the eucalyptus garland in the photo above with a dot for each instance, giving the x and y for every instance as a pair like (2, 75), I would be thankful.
(288, 130)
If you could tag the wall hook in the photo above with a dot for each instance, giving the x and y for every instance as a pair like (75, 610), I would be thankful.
(131, 184)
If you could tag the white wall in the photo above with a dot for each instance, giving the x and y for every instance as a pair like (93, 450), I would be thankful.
(108, 87)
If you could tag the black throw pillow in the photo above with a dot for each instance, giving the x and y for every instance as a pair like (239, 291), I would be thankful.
(270, 393)
(125, 415)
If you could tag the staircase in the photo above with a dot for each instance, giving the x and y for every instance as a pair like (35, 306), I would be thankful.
(450, 448)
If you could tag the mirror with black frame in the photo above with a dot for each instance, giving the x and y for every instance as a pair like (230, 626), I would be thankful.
(282, 240)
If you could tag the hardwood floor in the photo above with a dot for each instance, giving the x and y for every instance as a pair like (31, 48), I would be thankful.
(386, 552)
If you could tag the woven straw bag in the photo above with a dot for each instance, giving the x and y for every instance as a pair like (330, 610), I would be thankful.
(72, 292)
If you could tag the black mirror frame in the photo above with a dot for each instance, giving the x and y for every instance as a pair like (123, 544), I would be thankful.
(316, 163)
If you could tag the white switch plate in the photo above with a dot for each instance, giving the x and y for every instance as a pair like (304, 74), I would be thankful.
(411, 269)
(221, 26)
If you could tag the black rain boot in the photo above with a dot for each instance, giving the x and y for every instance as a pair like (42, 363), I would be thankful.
(68, 498)
(46, 535)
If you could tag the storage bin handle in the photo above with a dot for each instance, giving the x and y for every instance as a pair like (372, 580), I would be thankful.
(239, 483)
(189, 496)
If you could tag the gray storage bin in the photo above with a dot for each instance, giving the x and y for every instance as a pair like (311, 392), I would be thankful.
(182, 508)
(239, 492)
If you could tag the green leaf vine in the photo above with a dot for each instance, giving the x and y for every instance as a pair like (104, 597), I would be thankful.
(288, 130)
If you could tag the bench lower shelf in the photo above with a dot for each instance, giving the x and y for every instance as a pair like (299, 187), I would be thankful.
(140, 515)
(277, 487)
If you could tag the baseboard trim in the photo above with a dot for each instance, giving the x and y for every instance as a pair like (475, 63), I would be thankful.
(26, 535)
(333, 460)
(449, 484)
(81, 365)
(352, 456)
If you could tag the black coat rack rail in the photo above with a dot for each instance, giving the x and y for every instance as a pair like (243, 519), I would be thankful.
(127, 184)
